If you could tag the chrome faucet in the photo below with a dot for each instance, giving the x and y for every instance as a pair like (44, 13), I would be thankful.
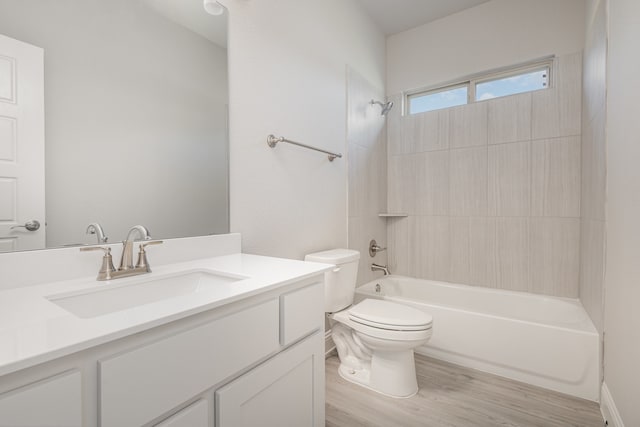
(95, 228)
(383, 268)
(126, 269)
(126, 261)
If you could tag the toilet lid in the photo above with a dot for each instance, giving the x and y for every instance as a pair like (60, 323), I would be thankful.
(389, 315)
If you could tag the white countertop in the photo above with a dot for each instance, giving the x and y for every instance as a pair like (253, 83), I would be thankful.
(35, 330)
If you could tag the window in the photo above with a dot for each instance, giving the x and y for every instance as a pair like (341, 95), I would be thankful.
(520, 82)
(437, 99)
(516, 80)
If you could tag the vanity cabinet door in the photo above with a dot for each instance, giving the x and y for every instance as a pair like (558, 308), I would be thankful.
(286, 390)
(55, 401)
(194, 415)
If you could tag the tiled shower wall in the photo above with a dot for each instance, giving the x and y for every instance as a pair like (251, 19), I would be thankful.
(592, 225)
(367, 164)
(491, 189)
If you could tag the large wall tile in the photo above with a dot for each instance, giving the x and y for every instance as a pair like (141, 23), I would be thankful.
(361, 231)
(545, 114)
(595, 64)
(468, 125)
(592, 269)
(468, 182)
(557, 111)
(555, 177)
(510, 119)
(472, 249)
(432, 183)
(398, 245)
(555, 256)
(511, 264)
(426, 131)
(367, 166)
(401, 195)
(394, 127)
(374, 170)
(594, 168)
(482, 251)
(594, 111)
(429, 247)
(509, 168)
(570, 89)
(459, 271)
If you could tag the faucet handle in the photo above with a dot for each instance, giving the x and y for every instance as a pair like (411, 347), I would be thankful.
(106, 249)
(107, 261)
(150, 243)
(374, 248)
(142, 254)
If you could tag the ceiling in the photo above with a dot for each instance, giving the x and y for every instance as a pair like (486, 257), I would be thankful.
(394, 16)
(191, 14)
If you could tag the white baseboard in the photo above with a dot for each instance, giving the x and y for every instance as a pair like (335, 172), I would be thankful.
(329, 346)
(608, 408)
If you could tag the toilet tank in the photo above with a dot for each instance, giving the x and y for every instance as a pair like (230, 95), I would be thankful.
(339, 283)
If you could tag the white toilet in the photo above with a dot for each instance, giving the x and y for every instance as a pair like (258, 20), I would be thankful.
(375, 338)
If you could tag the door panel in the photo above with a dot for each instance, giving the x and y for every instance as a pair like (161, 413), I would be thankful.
(21, 144)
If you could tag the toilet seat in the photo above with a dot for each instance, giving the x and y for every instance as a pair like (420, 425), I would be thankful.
(384, 328)
(390, 316)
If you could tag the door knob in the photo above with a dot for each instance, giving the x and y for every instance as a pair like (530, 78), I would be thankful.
(32, 225)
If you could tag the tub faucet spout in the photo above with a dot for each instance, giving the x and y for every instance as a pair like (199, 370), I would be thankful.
(383, 268)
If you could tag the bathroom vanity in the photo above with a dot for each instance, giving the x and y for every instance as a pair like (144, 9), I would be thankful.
(228, 340)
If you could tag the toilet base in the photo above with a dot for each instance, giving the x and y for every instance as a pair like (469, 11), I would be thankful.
(390, 374)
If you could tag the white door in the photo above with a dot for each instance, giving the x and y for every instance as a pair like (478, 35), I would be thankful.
(21, 146)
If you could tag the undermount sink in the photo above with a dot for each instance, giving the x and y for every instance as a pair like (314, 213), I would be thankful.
(116, 297)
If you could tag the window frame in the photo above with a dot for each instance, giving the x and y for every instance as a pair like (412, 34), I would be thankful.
(471, 82)
(436, 91)
(540, 66)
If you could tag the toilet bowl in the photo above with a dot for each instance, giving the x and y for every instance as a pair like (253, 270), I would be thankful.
(375, 339)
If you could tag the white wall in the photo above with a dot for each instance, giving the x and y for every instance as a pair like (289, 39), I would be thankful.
(622, 291)
(135, 118)
(492, 35)
(287, 62)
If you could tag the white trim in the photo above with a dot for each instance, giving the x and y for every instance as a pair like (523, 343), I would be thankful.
(608, 408)
(329, 345)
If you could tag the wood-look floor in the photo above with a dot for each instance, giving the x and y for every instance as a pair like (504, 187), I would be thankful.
(454, 396)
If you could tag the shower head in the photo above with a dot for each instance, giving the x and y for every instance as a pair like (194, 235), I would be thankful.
(386, 106)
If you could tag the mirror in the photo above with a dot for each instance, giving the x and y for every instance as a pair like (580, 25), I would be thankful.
(135, 119)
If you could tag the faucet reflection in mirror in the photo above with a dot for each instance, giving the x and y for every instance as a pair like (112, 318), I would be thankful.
(95, 228)
(126, 268)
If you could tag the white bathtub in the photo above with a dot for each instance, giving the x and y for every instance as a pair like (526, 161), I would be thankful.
(545, 341)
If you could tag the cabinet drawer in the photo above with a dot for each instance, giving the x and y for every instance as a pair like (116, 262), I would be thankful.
(286, 390)
(140, 385)
(55, 401)
(301, 312)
